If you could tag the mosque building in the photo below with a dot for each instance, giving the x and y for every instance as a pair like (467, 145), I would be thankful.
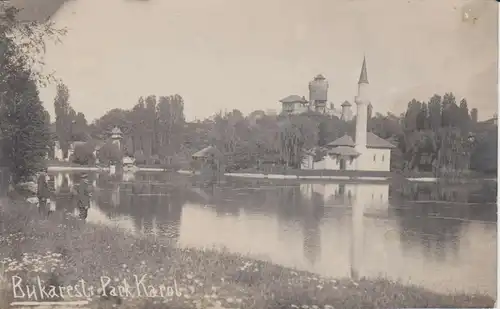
(318, 101)
(366, 152)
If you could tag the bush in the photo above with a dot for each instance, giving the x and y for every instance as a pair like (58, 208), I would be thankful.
(140, 158)
(84, 154)
(109, 152)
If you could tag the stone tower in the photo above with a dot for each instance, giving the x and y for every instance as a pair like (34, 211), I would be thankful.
(346, 113)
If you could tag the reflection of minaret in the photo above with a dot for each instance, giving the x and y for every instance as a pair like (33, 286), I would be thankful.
(312, 239)
(357, 235)
(368, 199)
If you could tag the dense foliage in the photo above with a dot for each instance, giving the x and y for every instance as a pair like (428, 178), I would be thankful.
(84, 153)
(438, 136)
(25, 136)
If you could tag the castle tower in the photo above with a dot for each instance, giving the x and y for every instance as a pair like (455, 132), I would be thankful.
(318, 93)
(362, 102)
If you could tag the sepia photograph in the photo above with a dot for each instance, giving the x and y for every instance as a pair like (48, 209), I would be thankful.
(248, 154)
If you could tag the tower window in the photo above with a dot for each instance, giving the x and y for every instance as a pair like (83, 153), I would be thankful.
(382, 158)
(374, 158)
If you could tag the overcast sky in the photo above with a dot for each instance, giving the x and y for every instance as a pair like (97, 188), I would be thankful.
(247, 55)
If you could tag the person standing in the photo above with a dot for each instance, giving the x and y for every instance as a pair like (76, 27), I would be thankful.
(43, 192)
(84, 195)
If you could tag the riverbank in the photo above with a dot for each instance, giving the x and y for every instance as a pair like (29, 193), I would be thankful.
(66, 250)
(62, 166)
(357, 176)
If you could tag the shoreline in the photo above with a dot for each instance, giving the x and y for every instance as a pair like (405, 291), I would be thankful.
(83, 251)
(359, 177)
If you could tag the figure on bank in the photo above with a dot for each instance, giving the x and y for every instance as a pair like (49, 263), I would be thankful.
(84, 195)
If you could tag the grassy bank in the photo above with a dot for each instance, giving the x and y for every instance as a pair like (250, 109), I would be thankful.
(64, 251)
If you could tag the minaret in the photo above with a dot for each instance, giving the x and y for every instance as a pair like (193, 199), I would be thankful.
(362, 102)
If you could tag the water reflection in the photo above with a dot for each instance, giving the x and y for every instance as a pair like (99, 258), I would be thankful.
(421, 233)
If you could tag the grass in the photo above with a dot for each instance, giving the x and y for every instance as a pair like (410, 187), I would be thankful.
(66, 250)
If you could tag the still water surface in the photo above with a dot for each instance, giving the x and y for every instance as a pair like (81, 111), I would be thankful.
(443, 238)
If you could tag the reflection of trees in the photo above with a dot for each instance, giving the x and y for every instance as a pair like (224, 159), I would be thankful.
(447, 193)
(154, 207)
(417, 203)
(312, 212)
(437, 236)
(285, 202)
(471, 201)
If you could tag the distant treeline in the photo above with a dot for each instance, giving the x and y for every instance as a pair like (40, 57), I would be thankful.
(438, 136)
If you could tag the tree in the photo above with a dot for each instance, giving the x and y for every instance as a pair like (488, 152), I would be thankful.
(25, 136)
(79, 128)
(449, 114)
(485, 153)
(24, 128)
(52, 136)
(63, 118)
(464, 117)
(422, 118)
(84, 153)
(139, 157)
(435, 112)
(296, 134)
(411, 115)
(170, 115)
(109, 153)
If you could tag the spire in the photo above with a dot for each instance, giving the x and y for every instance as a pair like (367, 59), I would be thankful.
(363, 77)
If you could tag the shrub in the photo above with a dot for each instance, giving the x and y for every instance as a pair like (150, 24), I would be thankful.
(109, 152)
(84, 154)
(140, 158)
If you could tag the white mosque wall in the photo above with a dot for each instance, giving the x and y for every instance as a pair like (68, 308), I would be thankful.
(328, 163)
(373, 197)
(374, 159)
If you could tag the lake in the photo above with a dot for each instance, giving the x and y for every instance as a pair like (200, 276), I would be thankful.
(441, 237)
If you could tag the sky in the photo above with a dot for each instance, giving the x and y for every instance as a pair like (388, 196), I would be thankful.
(247, 55)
